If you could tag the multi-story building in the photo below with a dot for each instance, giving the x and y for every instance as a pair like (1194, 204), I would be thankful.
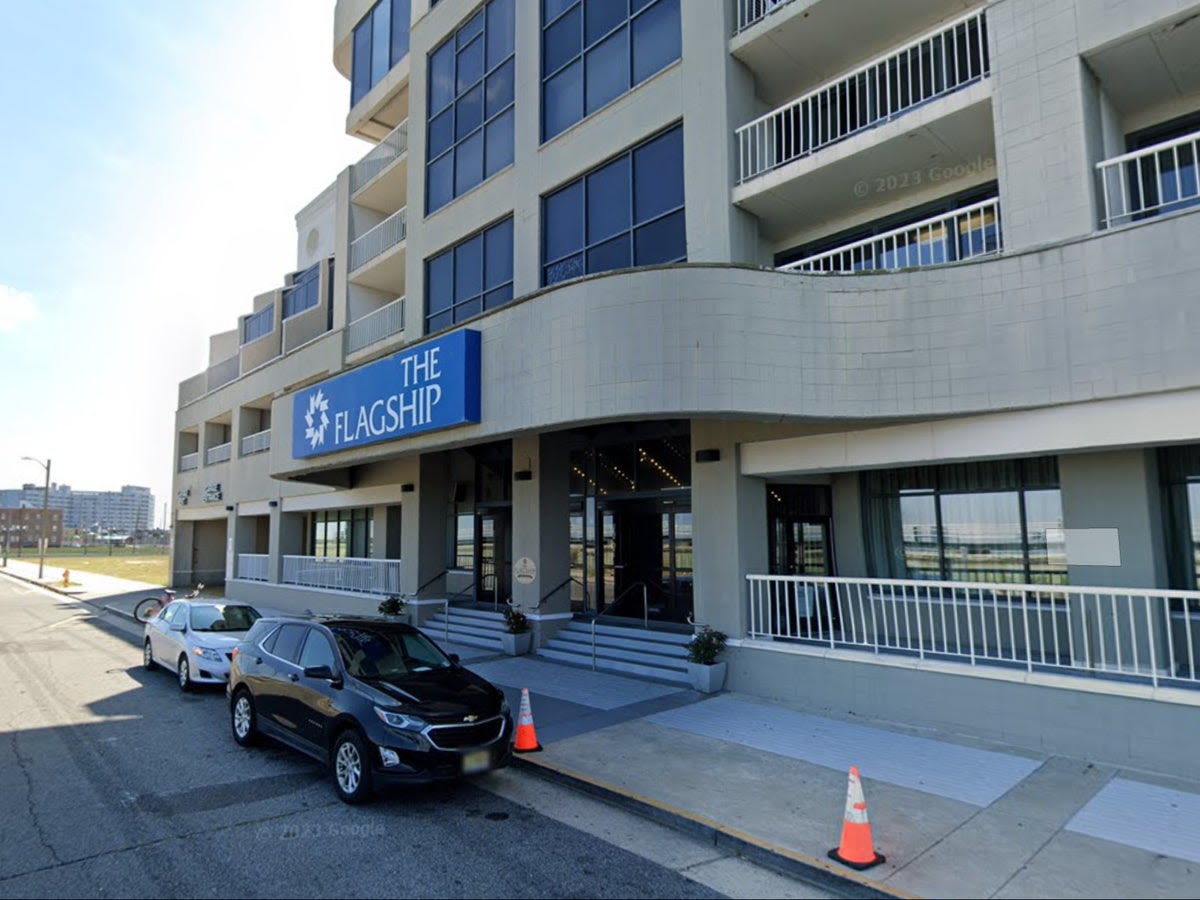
(129, 510)
(21, 526)
(863, 332)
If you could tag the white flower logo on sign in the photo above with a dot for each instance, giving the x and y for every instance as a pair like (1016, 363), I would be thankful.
(316, 419)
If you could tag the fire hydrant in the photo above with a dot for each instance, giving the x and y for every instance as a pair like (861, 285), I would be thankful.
(66, 577)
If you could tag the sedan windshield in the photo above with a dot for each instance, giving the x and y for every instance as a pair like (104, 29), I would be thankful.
(223, 617)
(369, 653)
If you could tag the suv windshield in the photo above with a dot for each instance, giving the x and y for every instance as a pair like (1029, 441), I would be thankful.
(380, 653)
(223, 618)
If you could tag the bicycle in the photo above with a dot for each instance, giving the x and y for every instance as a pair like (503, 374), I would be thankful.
(150, 607)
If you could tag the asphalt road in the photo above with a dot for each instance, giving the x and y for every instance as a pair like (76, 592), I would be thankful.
(115, 784)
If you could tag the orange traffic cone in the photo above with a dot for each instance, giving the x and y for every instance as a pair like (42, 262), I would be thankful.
(527, 741)
(857, 849)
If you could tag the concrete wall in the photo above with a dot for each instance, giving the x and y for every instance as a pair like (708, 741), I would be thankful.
(1159, 735)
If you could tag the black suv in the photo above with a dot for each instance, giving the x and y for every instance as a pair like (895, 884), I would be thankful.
(376, 701)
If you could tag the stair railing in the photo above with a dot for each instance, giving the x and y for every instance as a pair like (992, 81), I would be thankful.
(617, 602)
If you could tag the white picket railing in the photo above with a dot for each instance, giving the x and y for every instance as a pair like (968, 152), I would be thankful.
(751, 11)
(189, 462)
(339, 573)
(217, 454)
(1157, 179)
(375, 326)
(935, 64)
(383, 236)
(379, 157)
(252, 566)
(1144, 635)
(962, 234)
(257, 442)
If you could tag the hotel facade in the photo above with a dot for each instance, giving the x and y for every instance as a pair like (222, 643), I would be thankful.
(865, 333)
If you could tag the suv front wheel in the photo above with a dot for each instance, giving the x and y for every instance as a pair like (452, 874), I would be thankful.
(351, 767)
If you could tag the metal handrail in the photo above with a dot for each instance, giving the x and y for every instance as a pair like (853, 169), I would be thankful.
(645, 612)
(558, 588)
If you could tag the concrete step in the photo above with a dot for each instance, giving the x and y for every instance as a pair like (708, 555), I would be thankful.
(464, 626)
(615, 666)
(657, 660)
(575, 637)
(630, 633)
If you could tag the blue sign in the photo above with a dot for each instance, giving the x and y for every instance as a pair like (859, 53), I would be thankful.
(431, 386)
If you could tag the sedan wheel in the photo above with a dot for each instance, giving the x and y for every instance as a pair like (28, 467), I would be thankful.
(351, 768)
(185, 675)
(148, 657)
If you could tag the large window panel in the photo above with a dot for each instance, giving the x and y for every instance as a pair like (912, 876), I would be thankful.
(470, 277)
(381, 39)
(997, 522)
(627, 212)
(471, 95)
(593, 51)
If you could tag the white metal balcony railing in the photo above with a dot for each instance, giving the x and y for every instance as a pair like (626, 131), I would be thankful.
(935, 64)
(217, 454)
(962, 234)
(379, 157)
(189, 462)
(386, 234)
(257, 442)
(1157, 179)
(1141, 635)
(252, 566)
(751, 11)
(362, 576)
(375, 326)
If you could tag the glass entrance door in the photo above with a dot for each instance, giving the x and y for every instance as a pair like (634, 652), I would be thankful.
(493, 563)
(645, 565)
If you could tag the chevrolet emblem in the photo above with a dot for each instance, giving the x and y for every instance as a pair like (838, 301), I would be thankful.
(470, 718)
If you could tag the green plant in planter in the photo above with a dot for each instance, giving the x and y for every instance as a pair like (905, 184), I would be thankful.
(515, 620)
(392, 606)
(706, 645)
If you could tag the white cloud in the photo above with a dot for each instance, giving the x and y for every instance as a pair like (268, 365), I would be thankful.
(16, 308)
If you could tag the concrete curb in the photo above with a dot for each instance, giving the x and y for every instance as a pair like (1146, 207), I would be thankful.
(798, 865)
(73, 594)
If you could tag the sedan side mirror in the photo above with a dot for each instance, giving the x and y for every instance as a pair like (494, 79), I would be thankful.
(178, 626)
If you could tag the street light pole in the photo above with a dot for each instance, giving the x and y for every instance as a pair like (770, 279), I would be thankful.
(45, 513)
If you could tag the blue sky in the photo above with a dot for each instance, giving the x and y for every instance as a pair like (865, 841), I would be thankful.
(153, 155)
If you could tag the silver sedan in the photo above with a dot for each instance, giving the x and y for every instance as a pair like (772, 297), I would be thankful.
(196, 640)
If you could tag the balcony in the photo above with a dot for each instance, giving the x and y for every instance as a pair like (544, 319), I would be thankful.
(189, 462)
(218, 454)
(382, 194)
(749, 12)
(375, 326)
(374, 260)
(360, 576)
(937, 64)
(1152, 181)
(966, 233)
(223, 372)
(1129, 635)
(252, 566)
(258, 442)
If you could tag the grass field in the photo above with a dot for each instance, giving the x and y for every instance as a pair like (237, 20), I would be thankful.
(145, 565)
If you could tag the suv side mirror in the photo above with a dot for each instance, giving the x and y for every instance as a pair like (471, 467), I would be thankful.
(323, 673)
(454, 658)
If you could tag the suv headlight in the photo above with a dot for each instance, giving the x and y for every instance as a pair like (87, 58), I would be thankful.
(208, 653)
(401, 721)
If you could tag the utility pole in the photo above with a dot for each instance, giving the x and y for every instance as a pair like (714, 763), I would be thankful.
(45, 513)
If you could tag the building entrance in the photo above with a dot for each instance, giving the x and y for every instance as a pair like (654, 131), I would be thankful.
(645, 569)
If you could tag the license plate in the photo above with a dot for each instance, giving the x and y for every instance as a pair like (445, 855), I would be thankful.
(476, 761)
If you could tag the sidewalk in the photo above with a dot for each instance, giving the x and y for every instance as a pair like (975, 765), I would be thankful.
(954, 817)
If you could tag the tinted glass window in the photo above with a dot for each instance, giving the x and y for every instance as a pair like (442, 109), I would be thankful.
(457, 279)
(628, 212)
(169, 614)
(269, 643)
(380, 41)
(382, 653)
(595, 50)
(317, 651)
(471, 87)
(287, 644)
(222, 617)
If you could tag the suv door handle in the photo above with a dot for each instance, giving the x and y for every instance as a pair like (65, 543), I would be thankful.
(294, 677)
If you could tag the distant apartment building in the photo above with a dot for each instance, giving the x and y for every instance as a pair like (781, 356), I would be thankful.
(128, 510)
(22, 527)
(864, 332)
